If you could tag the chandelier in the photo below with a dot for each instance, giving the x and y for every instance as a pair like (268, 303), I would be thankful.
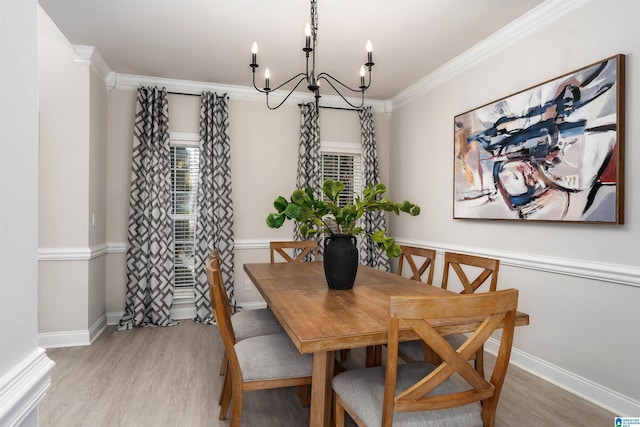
(309, 76)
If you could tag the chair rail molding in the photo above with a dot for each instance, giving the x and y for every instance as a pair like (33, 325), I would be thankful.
(613, 273)
(23, 387)
(72, 253)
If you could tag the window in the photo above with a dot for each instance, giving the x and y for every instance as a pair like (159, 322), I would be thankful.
(185, 159)
(342, 161)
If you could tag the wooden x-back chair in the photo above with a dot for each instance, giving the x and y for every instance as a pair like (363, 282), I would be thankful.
(246, 324)
(472, 272)
(255, 363)
(486, 268)
(294, 250)
(419, 260)
(403, 394)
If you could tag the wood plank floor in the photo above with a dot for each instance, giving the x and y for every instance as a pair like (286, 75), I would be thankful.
(169, 377)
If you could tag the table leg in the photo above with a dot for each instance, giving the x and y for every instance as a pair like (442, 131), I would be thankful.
(321, 388)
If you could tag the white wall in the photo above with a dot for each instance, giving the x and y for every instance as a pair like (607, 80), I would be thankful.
(72, 192)
(584, 325)
(24, 368)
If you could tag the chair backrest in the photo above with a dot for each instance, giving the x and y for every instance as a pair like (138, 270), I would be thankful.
(492, 309)
(487, 268)
(294, 250)
(222, 310)
(411, 256)
(213, 263)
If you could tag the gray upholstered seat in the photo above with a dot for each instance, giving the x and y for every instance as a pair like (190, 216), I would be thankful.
(252, 323)
(363, 389)
(271, 357)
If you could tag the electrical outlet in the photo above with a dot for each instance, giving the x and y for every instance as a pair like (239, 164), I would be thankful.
(247, 285)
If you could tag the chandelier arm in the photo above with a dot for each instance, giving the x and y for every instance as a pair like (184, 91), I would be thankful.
(341, 95)
(290, 92)
(303, 75)
(327, 76)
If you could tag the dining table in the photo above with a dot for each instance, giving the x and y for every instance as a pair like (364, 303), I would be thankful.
(321, 321)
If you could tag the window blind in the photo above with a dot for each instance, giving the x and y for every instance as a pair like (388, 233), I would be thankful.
(344, 167)
(184, 178)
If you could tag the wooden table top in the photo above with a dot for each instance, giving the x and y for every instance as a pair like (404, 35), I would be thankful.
(321, 319)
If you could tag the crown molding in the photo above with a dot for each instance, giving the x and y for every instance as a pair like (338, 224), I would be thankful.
(531, 22)
(90, 56)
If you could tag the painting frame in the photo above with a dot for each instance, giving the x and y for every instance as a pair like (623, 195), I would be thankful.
(553, 152)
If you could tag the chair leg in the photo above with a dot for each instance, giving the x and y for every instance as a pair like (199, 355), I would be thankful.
(236, 411)
(226, 386)
(344, 354)
(338, 412)
(224, 365)
(480, 361)
(373, 356)
(303, 394)
(225, 397)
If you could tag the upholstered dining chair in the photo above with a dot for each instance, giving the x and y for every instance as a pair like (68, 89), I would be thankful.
(420, 261)
(451, 393)
(256, 363)
(246, 324)
(294, 250)
(472, 272)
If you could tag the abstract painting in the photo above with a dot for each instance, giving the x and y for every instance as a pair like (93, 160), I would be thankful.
(553, 152)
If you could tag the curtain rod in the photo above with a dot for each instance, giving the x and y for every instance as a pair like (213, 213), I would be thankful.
(190, 94)
(336, 108)
(183, 93)
(339, 108)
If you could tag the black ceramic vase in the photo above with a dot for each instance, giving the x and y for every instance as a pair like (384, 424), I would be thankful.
(340, 260)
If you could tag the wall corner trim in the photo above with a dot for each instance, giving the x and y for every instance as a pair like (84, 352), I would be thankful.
(23, 387)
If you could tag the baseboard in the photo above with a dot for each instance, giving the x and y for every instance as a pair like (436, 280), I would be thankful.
(64, 339)
(97, 328)
(23, 387)
(182, 312)
(73, 338)
(618, 404)
(177, 312)
(252, 305)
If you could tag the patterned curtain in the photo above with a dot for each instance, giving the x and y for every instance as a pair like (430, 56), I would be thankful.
(371, 254)
(309, 159)
(215, 208)
(150, 271)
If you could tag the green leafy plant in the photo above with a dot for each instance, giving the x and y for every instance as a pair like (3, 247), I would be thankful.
(326, 216)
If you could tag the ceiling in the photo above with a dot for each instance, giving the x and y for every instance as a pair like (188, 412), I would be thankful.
(210, 40)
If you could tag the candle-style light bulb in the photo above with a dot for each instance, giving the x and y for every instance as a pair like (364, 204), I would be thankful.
(267, 75)
(254, 53)
(369, 53)
(362, 76)
(307, 33)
